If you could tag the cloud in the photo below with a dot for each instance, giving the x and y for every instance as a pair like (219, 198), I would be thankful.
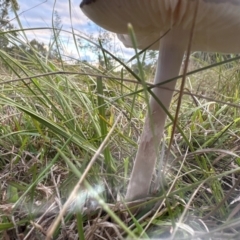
(40, 14)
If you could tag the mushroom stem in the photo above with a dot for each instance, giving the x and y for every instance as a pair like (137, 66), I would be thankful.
(171, 53)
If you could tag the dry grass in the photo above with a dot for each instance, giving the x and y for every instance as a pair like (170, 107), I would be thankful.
(51, 125)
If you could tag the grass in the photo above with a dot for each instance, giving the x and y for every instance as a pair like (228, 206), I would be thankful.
(54, 118)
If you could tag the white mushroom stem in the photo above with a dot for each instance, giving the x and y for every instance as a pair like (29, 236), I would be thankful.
(171, 52)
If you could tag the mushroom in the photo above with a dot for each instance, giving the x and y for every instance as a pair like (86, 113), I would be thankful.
(216, 29)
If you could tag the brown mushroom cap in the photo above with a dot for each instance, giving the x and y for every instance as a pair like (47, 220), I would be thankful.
(217, 26)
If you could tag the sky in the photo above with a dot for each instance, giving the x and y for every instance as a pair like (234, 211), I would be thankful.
(39, 14)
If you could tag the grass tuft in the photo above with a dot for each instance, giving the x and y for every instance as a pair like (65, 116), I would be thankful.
(55, 116)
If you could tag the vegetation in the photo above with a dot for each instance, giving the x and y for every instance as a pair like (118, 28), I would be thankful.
(5, 24)
(54, 119)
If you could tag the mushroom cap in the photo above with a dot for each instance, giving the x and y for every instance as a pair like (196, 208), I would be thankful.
(217, 27)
